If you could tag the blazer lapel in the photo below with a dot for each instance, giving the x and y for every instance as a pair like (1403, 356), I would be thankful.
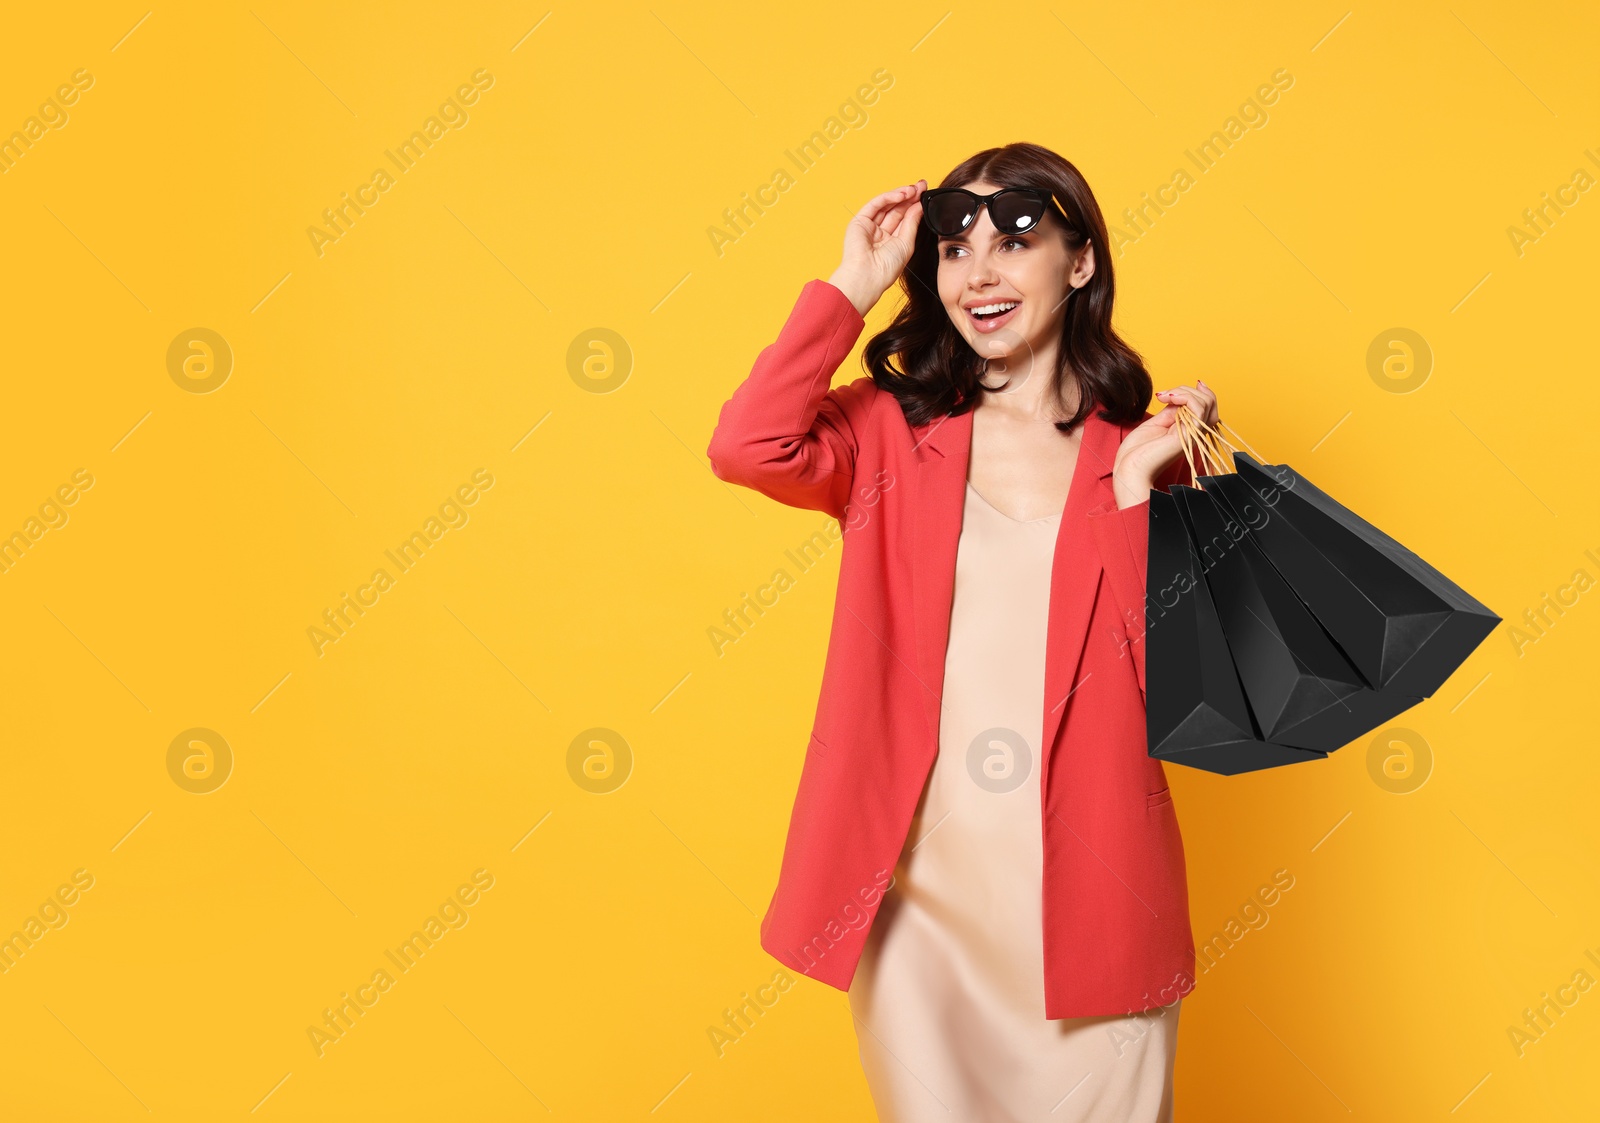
(943, 453)
(1075, 574)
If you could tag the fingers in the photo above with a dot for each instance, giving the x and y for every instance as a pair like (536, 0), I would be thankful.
(1189, 395)
(894, 220)
(907, 222)
(882, 210)
(1212, 415)
(1200, 400)
(879, 202)
(888, 199)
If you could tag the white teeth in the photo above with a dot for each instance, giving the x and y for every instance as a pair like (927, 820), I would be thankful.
(1003, 306)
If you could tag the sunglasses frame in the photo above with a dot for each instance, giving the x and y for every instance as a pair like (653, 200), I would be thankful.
(981, 201)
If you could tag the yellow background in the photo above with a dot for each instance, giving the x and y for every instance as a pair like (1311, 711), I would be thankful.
(368, 383)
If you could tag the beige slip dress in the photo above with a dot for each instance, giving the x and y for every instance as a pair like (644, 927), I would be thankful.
(948, 998)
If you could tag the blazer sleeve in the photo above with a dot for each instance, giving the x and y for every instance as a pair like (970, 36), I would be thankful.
(784, 432)
(1123, 537)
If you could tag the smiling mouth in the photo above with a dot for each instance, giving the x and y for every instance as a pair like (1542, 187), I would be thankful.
(987, 317)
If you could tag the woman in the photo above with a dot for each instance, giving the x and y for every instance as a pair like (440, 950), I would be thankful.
(981, 851)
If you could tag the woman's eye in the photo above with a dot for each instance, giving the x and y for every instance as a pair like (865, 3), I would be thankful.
(950, 251)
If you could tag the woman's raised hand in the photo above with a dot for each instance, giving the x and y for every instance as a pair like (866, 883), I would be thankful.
(878, 243)
(1147, 451)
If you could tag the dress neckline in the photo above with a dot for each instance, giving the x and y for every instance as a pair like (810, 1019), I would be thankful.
(1003, 515)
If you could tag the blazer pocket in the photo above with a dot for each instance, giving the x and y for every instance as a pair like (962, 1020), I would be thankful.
(1156, 799)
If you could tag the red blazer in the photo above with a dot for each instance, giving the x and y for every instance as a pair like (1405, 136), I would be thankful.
(1116, 904)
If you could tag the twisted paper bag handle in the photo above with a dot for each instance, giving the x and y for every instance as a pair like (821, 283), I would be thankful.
(1198, 436)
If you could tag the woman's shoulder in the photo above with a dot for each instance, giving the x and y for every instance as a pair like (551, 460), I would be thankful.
(1125, 427)
(878, 419)
(857, 399)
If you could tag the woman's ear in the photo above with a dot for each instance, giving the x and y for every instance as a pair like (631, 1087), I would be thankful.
(1084, 269)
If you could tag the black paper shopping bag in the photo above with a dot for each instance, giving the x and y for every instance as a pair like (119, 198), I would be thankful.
(1301, 689)
(1401, 622)
(1196, 712)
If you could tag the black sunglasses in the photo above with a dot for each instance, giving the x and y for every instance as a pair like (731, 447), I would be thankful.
(950, 211)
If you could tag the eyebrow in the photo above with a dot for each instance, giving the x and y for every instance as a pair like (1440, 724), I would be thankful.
(964, 236)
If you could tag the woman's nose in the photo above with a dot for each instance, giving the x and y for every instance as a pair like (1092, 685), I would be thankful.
(983, 270)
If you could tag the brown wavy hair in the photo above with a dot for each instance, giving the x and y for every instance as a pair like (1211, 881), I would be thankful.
(930, 368)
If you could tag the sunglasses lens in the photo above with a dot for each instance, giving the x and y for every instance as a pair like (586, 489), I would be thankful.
(1014, 212)
(949, 214)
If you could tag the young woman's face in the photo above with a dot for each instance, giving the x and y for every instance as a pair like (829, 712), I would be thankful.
(985, 269)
